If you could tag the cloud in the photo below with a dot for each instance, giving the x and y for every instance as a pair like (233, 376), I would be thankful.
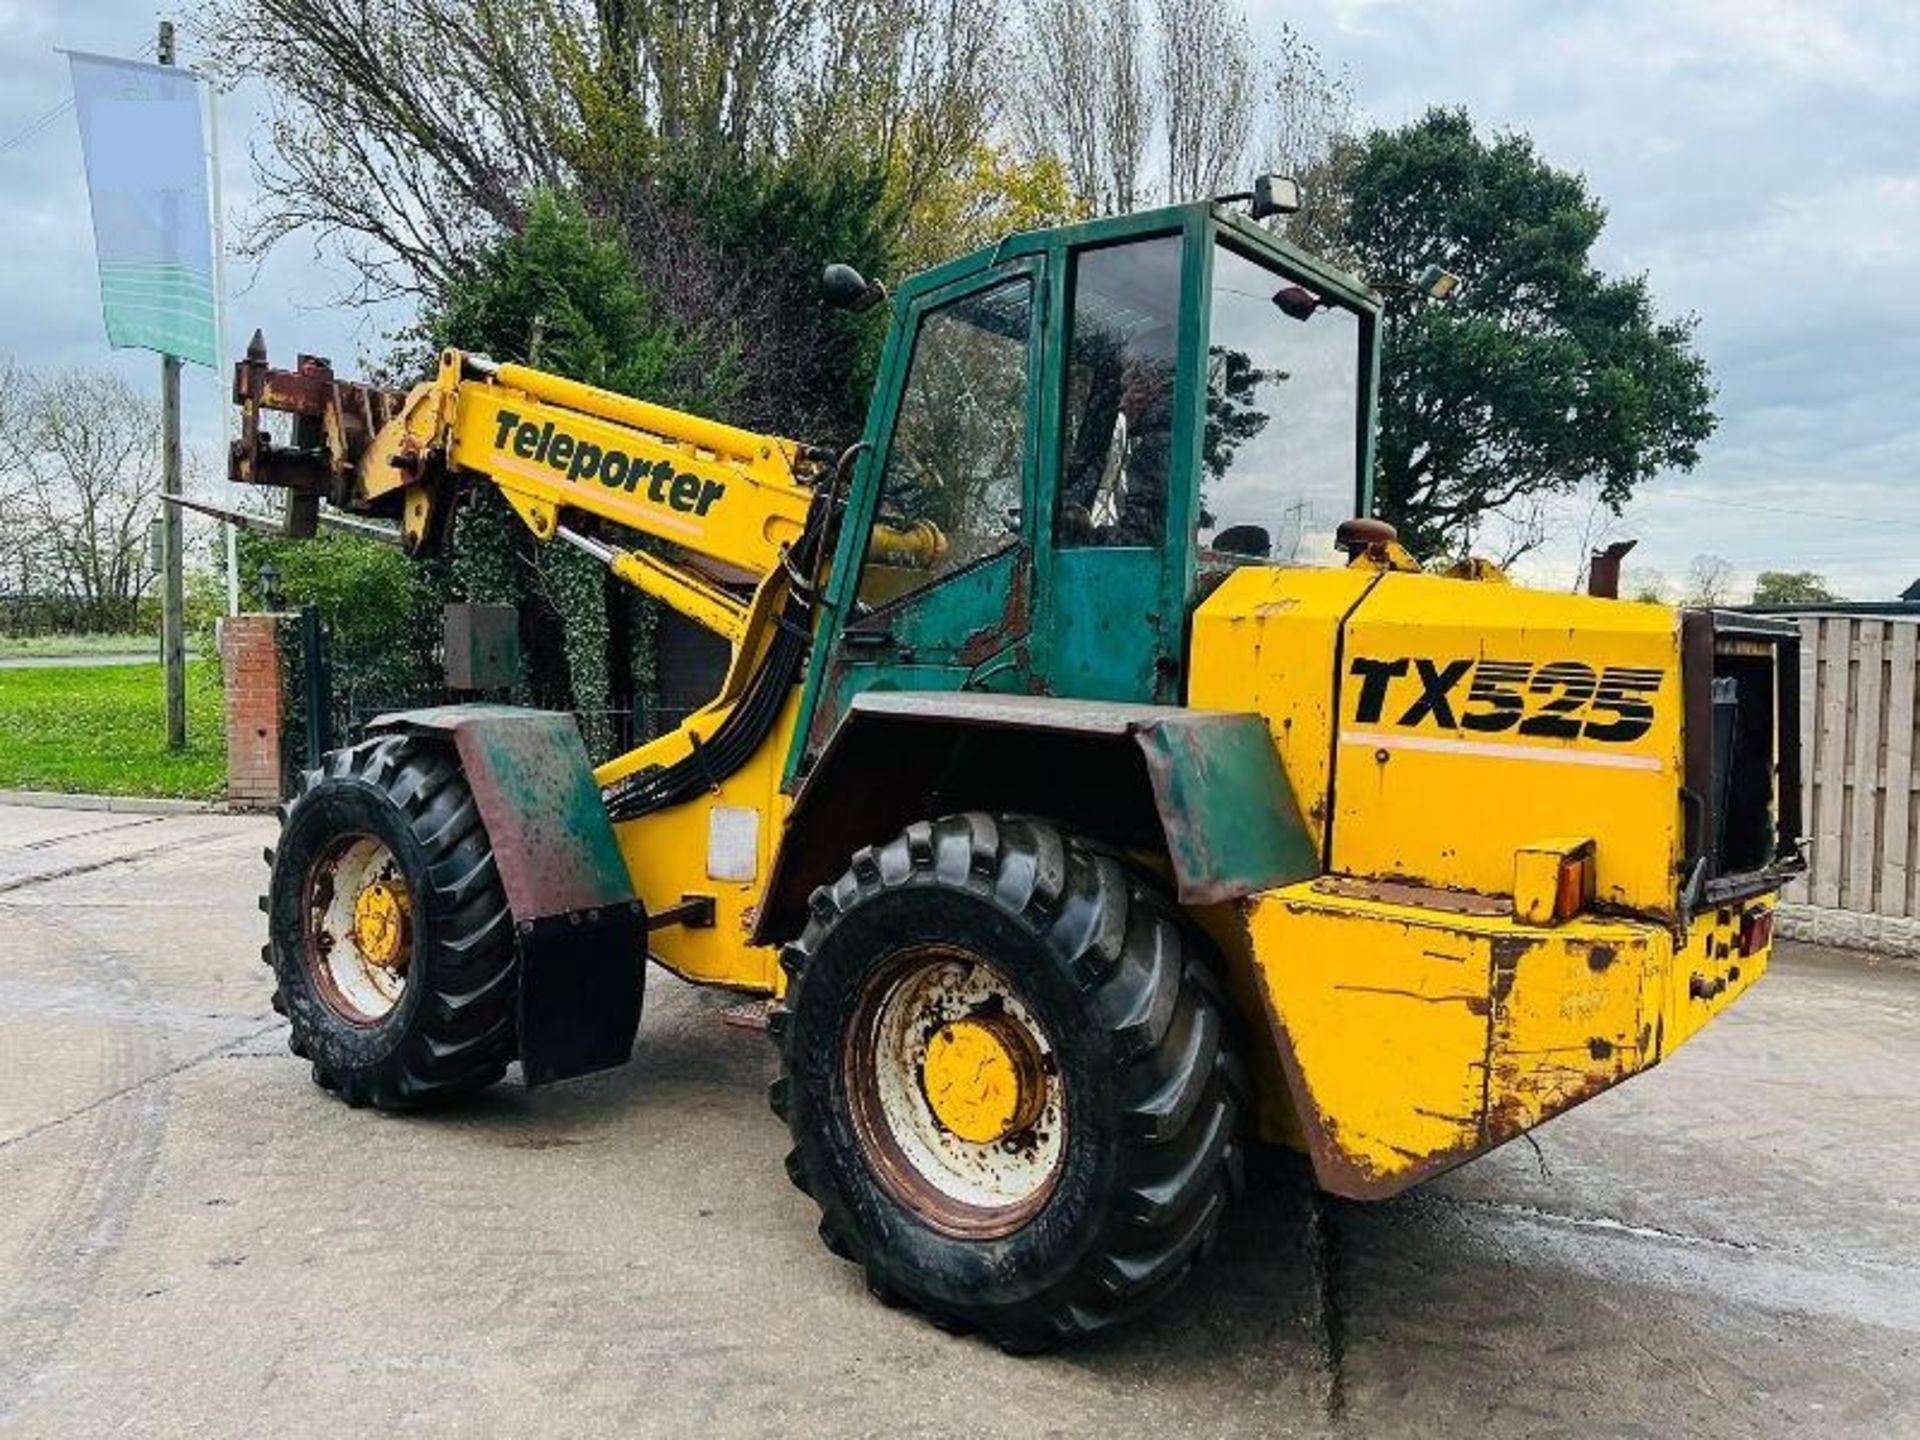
(1757, 159)
(49, 294)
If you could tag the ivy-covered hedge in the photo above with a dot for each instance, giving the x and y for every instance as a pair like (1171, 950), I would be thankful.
(735, 331)
(382, 613)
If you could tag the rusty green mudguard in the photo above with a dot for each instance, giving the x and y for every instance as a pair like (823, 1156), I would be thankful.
(581, 932)
(1205, 785)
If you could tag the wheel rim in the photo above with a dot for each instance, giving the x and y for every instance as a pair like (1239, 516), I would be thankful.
(359, 929)
(955, 1092)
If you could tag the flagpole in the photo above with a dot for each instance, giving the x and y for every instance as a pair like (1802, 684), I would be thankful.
(220, 341)
(173, 649)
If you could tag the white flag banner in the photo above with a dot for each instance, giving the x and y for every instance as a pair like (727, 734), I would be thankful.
(147, 183)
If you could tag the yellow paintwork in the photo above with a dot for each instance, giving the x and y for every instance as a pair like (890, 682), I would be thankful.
(729, 500)
(1267, 640)
(1537, 869)
(670, 855)
(754, 502)
(976, 1083)
(1413, 1038)
(1454, 814)
(1422, 1002)
(1447, 806)
(380, 922)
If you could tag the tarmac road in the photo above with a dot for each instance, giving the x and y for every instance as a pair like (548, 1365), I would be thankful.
(196, 1240)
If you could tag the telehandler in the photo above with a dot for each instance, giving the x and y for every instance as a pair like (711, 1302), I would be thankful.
(1080, 818)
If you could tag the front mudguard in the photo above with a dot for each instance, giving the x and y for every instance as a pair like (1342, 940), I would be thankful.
(580, 929)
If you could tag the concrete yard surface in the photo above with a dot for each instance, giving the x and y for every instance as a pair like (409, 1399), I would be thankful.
(196, 1240)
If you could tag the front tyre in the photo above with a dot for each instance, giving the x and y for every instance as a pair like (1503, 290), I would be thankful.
(390, 937)
(1004, 1069)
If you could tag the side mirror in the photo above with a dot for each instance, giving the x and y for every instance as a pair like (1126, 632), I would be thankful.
(1297, 302)
(845, 288)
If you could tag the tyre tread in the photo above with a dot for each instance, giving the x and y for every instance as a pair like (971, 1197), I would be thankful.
(461, 1035)
(1146, 978)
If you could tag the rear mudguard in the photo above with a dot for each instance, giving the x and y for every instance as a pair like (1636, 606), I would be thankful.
(1202, 786)
(581, 932)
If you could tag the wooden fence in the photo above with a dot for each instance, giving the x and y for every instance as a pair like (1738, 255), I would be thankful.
(1858, 739)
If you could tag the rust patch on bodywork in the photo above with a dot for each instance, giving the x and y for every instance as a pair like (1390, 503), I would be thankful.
(334, 422)
(1408, 892)
(552, 841)
(1204, 787)
(1551, 1029)
(989, 640)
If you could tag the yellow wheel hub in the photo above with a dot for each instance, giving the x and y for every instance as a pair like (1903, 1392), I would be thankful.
(380, 916)
(982, 1078)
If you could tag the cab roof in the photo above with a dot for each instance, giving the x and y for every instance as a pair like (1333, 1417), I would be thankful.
(1197, 219)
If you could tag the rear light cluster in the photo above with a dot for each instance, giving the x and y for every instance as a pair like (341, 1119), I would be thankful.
(1552, 880)
(1574, 885)
(1756, 931)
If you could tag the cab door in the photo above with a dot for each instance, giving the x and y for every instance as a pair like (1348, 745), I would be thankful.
(934, 574)
(1113, 577)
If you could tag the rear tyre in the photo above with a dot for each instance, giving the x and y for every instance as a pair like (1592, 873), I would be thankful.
(1005, 1072)
(390, 937)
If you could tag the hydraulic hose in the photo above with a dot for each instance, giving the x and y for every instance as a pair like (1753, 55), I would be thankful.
(739, 736)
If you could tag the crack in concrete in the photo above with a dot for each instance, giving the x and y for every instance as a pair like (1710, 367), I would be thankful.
(89, 866)
(1603, 1222)
(1323, 1258)
(47, 842)
(200, 1058)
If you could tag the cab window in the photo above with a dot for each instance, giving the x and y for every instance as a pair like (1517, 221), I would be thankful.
(951, 490)
(1117, 430)
(1280, 459)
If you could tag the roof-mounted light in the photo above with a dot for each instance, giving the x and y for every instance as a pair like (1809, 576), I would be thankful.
(1275, 195)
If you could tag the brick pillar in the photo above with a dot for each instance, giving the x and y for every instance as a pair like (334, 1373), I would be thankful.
(256, 710)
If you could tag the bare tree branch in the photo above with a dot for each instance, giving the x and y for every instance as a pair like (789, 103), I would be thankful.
(79, 484)
(1206, 75)
(1086, 96)
(407, 134)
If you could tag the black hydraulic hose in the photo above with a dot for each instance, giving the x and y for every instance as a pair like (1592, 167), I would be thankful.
(739, 736)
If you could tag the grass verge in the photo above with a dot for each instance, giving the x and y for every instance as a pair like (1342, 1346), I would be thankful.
(28, 647)
(101, 729)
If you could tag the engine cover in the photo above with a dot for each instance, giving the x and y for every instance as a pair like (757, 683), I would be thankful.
(1433, 727)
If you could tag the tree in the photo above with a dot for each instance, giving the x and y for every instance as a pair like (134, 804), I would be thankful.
(514, 169)
(382, 613)
(1085, 96)
(1101, 89)
(411, 133)
(1709, 581)
(1542, 375)
(1646, 585)
(1308, 124)
(1791, 587)
(79, 483)
(561, 295)
(997, 194)
(1206, 75)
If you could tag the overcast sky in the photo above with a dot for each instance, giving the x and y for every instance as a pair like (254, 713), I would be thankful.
(1760, 160)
